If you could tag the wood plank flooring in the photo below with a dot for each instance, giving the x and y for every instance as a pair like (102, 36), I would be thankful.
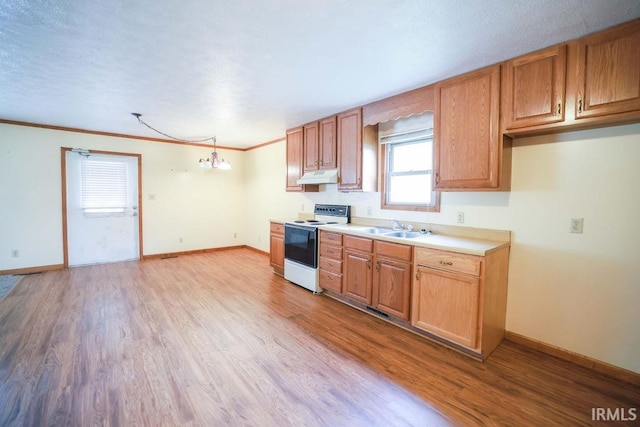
(217, 339)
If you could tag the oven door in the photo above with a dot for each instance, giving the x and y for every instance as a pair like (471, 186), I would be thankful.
(301, 244)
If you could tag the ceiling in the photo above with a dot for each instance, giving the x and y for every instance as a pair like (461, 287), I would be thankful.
(246, 70)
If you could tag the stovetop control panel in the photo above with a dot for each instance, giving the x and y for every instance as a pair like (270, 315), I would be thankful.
(333, 210)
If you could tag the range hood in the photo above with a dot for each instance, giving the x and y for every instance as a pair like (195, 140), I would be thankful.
(329, 176)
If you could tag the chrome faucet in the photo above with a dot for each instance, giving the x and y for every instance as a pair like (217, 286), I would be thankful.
(397, 225)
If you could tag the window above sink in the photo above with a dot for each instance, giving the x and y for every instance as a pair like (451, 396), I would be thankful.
(407, 164)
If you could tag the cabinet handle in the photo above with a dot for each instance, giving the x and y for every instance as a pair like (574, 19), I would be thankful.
(418, 275)
(369, 264)
(321, 162)
(559, 107)
(580, 106)
(441, 262)
(437, 178)
(378, 266)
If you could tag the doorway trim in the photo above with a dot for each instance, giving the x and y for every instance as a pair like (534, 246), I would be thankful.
(63, 164)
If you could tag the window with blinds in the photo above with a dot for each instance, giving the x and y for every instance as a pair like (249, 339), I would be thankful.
(408, 171)
(104, 186)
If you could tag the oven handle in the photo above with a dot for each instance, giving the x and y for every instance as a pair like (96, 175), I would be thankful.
(300, 227)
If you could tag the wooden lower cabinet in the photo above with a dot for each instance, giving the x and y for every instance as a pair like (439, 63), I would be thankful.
(455, 298)
(276, 248)
(358, 258)
(392, 279)
(330, 261)
(447, 305)
(461, 298)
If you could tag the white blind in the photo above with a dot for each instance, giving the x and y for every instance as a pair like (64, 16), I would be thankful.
(409, 136)
(104, 185)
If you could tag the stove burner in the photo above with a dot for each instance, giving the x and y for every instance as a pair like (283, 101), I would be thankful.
(313, 220)
(299, 221)
(332, 222)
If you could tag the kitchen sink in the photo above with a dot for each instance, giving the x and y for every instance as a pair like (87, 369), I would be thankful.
(375, 230)
(404, 234)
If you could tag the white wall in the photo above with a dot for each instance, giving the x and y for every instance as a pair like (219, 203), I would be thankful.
(580, 292)
(201, 207)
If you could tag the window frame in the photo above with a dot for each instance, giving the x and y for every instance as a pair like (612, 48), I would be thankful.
(433, 207)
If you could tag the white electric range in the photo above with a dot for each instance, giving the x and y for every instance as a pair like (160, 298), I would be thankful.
(301, 244)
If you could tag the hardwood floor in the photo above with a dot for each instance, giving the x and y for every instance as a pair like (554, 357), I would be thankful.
(217, 339)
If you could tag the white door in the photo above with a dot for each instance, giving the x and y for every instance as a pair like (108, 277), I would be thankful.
(102, 208)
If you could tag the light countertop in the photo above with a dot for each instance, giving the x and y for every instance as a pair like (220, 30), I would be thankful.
(465, 245)
(446, 238)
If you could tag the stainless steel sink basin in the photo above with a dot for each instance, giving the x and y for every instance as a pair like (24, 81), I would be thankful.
(404, 234)
(375, 230)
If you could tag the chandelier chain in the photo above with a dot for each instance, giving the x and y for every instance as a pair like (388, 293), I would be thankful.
(138, 115)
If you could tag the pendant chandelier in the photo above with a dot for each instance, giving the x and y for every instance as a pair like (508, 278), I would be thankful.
(210, 163)
(214, 162)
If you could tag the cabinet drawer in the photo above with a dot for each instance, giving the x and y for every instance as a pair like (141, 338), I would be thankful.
(332, 252)
(394, 250)
(277, 228)
(333, 238)
(358, 243)
(449, 261)
(331, 265)
(330, 281)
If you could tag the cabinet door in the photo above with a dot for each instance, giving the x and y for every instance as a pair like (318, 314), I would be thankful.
(535, 88)
(276, 252)
(609, 72)
(350, 150)
(467, 140)
(294, 158)
(295, 161)
(328, 144)
(446, 304)
(392, 287)
(357, 276)
(310, 145)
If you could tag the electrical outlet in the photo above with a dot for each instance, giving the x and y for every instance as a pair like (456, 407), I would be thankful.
(576, 225)
(15, 253)
(152, 196)
(460, 217)
(180, 240)
(369, 211)
(235, 235)
(302, 208)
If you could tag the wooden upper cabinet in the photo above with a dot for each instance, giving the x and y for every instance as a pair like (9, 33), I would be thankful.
(608, 71)
(295, 161)
(357, 152)
(350, 149)
(534, 88)
(468, 144)
(328, 148)
(310, 144)
(320, 145)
